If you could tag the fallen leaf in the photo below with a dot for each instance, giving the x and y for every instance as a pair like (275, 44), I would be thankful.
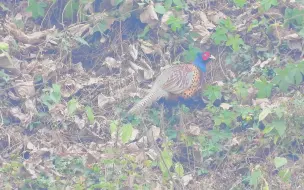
(149, 16)
(133, 51)
(194, 130)
(225, 106)
(104, 100)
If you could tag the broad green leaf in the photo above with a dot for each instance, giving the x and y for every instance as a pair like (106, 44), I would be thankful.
(213, 92)
(264, 114)
(165, 162)
(160, 9)
(235, 42)
(285, 175)
(71, 8)
(168, 3)
(179, 169)
(240, 3)
(220, 35)
(279, 162)
(179, 3)
(113, 127)
(126, 132)
(4, 46)
(90, 114)
(266, 4)
(268, 129)
(36, 8)
(255, 178)
(81, 40)
(100, 27)
(264, 88)
(280, 126)
(72, 106)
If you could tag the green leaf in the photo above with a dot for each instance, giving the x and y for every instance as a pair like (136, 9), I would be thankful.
(160, 9)
(235, 42)
(72, 106)
(117, 2)
(264, 114)
(113, 127)
(213, 92)
(168, 3)
(100, 27)
(179, 169)
(165, 162)
(220, 35)
(189, 55)
(37, 9)
(179, 3)
(81, 40)
(266, 4)
(175, 23)
(279, 162)
(285, 175)
(90, 114)
(4, 46)
(255, 178)
(280, 126)
(126, 132)
(240, 3)
(71, 8)
(264, 88)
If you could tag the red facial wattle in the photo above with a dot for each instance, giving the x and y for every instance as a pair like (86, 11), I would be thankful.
(206, 56)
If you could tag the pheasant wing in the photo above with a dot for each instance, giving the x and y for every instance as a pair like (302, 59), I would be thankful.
(177, 79)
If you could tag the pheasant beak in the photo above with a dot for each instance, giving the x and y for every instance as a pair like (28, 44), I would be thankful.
(212, 57)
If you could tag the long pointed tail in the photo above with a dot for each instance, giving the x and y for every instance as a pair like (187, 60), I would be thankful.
(147, 101)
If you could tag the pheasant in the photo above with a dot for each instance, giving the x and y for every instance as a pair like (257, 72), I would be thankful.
(182, 80)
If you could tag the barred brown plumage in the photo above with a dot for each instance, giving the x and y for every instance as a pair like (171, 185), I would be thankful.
(183, 80)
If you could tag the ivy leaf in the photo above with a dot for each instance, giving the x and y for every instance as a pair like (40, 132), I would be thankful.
(264, 88)
(190, 54)
(160, 9)
(255, 178)
(235, 42)
(266, 4)
(213, 92)
(219, 35)
(37, 9)
(240, 3)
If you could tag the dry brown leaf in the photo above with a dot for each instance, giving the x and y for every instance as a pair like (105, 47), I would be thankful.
(194, 130)
(153, 134)
(215, 16)
(202, 27)
(25, 88)
(133, 51)
(186, 179)
(69, 87)
(147, 47)
(34, 38)
(225, 106)
(24, 118)
(164, 20)
(104, 100)
(58, 112)
(111, 63)
(149, 16)
(30, 106)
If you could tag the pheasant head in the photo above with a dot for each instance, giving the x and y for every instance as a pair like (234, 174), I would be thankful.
(202, 59)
